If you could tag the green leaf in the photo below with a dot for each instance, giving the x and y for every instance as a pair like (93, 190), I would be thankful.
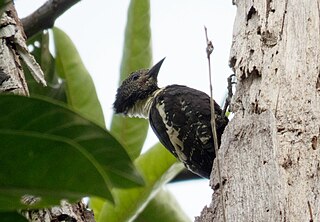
(158, 167)
(12, 217)
(55, 85)
(165, 203)
(80, 90)
(96, 204)
(130, 132)
(48, 151)
(137, 54)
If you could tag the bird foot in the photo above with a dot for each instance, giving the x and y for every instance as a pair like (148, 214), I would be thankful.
(231, 80)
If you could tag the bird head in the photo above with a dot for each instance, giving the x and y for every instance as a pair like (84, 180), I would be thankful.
(138, 86)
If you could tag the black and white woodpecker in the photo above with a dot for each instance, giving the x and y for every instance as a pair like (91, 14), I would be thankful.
(179, 116)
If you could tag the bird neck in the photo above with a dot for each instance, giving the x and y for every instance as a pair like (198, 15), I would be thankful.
(142, 108)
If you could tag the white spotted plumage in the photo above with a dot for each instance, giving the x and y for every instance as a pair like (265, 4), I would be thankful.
(172, 133)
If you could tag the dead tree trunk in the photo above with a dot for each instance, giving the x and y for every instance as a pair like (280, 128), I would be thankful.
(269, 155)
(11, 74)
(13, 47)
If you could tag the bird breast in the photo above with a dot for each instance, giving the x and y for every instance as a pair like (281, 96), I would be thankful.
(141, 108)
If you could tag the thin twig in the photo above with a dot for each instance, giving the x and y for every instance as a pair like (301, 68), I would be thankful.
(310, 211)
(45, 16)
(209, 50)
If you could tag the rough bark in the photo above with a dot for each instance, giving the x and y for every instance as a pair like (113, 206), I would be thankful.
(11, 74)
(13, 47)
(66, 212)
(269, 157)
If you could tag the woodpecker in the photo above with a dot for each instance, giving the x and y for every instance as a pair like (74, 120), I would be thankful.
(179, 116)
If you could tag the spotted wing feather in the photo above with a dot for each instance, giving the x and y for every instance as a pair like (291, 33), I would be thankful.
(180, 117)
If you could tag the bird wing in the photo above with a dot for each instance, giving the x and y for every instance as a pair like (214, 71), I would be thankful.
(180, 117)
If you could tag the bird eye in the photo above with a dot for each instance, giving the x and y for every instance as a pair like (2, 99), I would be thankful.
(135, 76)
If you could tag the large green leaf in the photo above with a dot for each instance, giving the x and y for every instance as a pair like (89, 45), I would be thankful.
(137, 54)
(80, 90)
(49, 151)
(55, 88)
(158, 167)
(165, 203)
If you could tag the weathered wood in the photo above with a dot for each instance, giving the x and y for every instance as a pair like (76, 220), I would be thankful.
(12, 79)
(270, 159)
(65, 212)
(13, 47)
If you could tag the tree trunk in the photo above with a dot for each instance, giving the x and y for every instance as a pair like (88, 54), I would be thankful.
(11, 74)
(13, 47)
(269, 157)
(65, 212)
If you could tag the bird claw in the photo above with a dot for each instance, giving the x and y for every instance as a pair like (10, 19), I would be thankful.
(230, 81)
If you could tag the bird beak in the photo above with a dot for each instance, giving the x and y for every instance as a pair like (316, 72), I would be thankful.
(153, 72)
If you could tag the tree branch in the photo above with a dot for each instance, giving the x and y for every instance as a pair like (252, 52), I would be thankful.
(45, 16)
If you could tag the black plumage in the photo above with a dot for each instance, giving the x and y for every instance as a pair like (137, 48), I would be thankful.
(179, 116)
